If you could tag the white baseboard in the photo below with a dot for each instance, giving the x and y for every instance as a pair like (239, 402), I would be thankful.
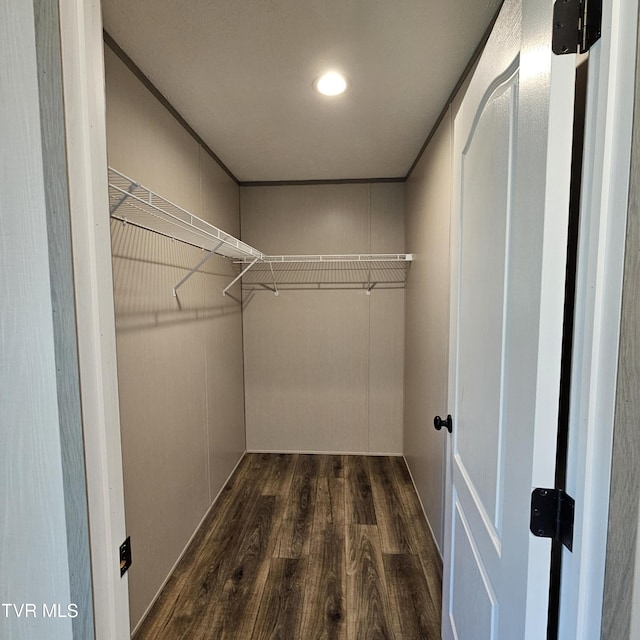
(327, 453)
(435, 540)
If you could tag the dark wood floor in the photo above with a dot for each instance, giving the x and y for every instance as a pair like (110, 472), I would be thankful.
(307, 547)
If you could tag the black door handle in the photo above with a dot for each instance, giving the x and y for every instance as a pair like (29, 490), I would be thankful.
(438, 423)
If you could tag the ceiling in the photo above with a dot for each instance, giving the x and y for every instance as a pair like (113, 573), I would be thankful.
(240, 72)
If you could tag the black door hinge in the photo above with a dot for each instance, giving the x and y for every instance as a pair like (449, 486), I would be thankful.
(552, 515)
(125, 556)
(576, 25)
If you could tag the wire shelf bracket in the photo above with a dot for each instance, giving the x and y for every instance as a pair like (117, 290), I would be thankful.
(205, 259)
(224, 292)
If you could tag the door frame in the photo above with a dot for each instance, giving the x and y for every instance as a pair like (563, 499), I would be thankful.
(603, 214)
(621, 613)
(81, 32)
(84, 105)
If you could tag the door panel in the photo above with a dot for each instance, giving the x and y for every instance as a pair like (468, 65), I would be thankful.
(475, 610)
(485, 213)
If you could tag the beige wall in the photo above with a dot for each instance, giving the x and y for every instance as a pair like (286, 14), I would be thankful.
(324, 368)
(428, 203)
(179, 359)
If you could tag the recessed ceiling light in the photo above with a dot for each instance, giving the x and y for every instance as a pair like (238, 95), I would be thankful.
(331, 84)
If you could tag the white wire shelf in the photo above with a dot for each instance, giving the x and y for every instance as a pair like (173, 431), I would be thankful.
(350, 271)
(132, 203)
(350, 258)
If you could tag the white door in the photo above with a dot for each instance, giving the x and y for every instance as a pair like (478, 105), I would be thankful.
(512, 158)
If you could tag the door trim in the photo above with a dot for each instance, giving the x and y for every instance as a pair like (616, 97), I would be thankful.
(619, 615)
(605, 181)
(84, 103)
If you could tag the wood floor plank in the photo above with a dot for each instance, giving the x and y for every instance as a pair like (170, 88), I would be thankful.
(295, 531)
(390, 513)
(367, 598)
(359, 501)
(324, 612)
(331, 466)
(279, 475)
(329, 508)
(234, 611)
(419, 619)
(419, 532)
(324, 615)
(281, 605)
